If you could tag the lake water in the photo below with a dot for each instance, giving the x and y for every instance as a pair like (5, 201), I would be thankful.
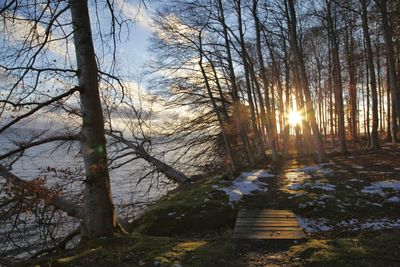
(46, 160)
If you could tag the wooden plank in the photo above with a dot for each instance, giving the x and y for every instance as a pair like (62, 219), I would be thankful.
(261, 215)
(267, 224)
(271, 233)
(265, 219)
(267, 236)
(284, 224)
(266, 212)
(267, 228)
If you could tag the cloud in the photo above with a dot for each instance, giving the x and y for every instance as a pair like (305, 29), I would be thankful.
(20, 30)
(138, 13)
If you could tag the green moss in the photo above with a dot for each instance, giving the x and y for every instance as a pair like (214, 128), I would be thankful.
(195, 209)
(143, 250)
(367, 249)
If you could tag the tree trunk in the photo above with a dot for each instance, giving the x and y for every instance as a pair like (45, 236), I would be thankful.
(391, 67)
(99, 219)
(268, 117)
(235, 92)
(286, 134)
(170, 172)
(337, 78)
(259, 145)
(389, 136)
(350, 58)
(215, 107)
(370, 60)
(309, 109)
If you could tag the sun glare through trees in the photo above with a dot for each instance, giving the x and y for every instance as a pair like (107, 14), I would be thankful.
(294, 118)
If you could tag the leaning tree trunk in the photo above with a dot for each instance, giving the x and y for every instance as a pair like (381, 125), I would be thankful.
(99, 219)
(246, 66)
(234, 88)
(215, 108)
(370, 60)
(266, 115)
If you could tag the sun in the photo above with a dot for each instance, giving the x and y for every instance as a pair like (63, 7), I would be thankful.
(294, 117)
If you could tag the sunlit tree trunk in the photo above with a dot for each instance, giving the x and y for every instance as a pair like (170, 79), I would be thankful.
(309, 109)
(259, 147)
(267, 110)
(286, 134)
(215, 108)
(234, 88)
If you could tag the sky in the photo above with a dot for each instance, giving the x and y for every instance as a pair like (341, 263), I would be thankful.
(134, 52)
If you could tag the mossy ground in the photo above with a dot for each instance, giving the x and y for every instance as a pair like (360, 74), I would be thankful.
(143, 250)
(191, 226)
(197, 209)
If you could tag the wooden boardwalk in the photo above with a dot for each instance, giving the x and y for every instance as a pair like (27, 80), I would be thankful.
(267, 224)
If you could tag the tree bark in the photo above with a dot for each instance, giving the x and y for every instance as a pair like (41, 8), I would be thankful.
(215, 107)
(235, 92)
(337, 77)
(309, 109)
(266, 115)
(350, 58)
(259, 147)
(391, 67)
(370, 60)
(99, 219)
(170, 172)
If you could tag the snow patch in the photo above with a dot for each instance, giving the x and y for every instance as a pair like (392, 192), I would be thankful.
(246, 184)
(377, 187)
(393, 200)
(258, 174)
(323, 225)
(314, 225)
(358, 167)
(316, 185)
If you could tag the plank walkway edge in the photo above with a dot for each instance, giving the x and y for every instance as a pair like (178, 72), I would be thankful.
(267, 225)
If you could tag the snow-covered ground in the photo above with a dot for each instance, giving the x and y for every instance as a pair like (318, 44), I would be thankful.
(324, 225)
(382, 186)
(246, 184)
(308, 181)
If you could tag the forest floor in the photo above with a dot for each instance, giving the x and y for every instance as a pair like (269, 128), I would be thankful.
(348, 207)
